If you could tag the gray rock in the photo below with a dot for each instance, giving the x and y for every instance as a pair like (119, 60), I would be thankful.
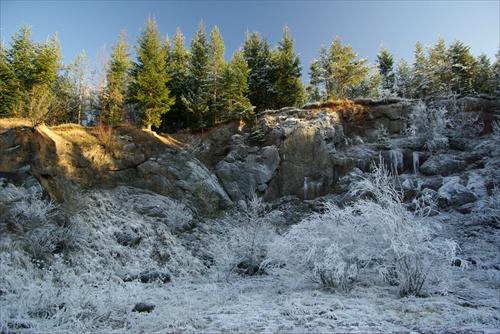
(143, 307)
(247, 170)
(154, 276)
(443, 164)
(127, 237)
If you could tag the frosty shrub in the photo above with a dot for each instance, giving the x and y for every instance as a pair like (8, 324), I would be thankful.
(249, 231)
(30, 221)
(382, 135)
(326, 248)
(488, 209)
(427, 127)
(376, 232)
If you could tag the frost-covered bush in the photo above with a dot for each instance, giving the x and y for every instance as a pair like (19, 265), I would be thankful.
(326, 248)
(31, 222)
(376, 232)
(427, 127)
(247, 231)
(488, 209)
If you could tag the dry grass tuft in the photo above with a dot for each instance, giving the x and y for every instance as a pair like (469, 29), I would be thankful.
(7, 123)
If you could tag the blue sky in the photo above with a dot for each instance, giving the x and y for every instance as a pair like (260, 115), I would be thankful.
(88, 25)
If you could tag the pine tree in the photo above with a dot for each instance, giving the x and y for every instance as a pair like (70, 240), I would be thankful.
(22, 55)
(403, 79)
(235, 89)
(386, 69)
(420, 79)
(495, 73)
(10, 96)
(177, 117)
(197, 98)
(117, 80)
(262, 78)
(464, 67)
(338, 69)
(148, 88)
(289, 83)
(482, 81)
(439, 69)
(217, 66)
(368, 87)
(321, 74)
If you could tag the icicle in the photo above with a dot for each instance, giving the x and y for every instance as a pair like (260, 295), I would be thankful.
(416, 162)
(396, 159)
(305, 187)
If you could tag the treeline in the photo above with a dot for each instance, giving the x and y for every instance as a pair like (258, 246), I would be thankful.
(170, 86)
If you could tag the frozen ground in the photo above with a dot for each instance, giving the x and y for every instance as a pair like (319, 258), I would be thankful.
(83, 294)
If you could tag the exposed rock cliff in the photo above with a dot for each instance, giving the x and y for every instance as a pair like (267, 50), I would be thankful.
(304, 152)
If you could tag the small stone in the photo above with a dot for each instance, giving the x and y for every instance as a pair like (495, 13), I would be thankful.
(152, 276)
(143, 307)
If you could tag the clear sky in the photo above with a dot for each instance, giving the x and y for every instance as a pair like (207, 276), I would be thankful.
(88, 25)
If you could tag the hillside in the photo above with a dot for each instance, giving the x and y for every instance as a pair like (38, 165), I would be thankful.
(128, 231)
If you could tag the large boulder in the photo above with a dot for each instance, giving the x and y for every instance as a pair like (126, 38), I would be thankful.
(179, 175)
(443, 164)
(247, 169)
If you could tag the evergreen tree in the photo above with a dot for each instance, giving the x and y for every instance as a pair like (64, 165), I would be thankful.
(495, 69)
(47, 63)
(217, 66)
(10, 95)
(339, 69)
(117, 80)
(464, 67)
(368, 87)
(22, 55)
(290, 89)
(321, 74)
(420, 79)
(262, 78)
(386, 69)
(197, 98)
(177, 118)
(403, 79)
(235, 88)
(439, 69)
(148, 88)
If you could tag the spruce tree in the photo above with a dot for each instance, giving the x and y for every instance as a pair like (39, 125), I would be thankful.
(403, 79)
(262, 77)
(22, 55)
(117, 80)
(148, 88)
(197, 98)
(10, 96)
(320, 72)
(420, 79)
(290, 89)
(495, 73)
(439, 69)
(463, 67)
(177, 117)
(483, 81)
(217, 67)
(386, 68)
(235, 89)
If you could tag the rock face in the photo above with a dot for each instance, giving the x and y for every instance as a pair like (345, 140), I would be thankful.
(299, 152)
(304, 152)
(137, 158)
(247, 170)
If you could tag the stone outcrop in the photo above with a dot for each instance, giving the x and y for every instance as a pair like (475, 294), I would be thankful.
(302, 152)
